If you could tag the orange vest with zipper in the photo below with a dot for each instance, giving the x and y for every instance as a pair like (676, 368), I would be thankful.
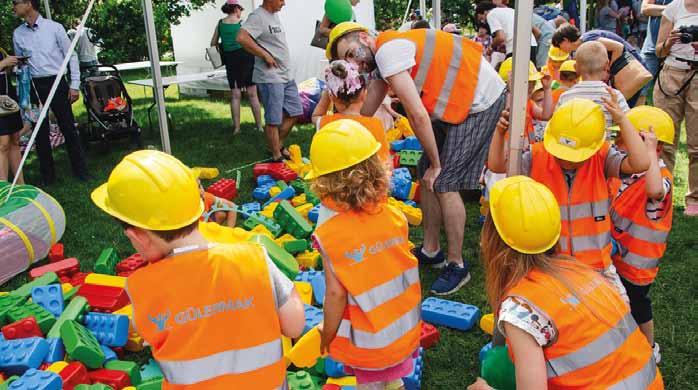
(589, 353)
(584, 208)
(446, 71)
(641, 241)
(370, 256)
(210, 318)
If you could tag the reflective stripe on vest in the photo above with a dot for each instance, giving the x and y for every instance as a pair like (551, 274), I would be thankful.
(640, 379)
(584, 210)
(385, 336)
(187, 372)
(636, 260)
(638, 231)
(587, 243)
(453, 69)
(427, 57)
(378, 295)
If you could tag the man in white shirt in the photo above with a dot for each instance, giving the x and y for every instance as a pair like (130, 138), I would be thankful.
(501, 22)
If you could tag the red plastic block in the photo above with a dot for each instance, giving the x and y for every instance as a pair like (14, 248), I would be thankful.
(429, 335)
(78, 279)
(224, 188)
(56, 253)
(131, 264)
(279, 171)
(116, 379)
(44, 366)
(119, 351)
(104, 299)
(331, 387)
(22, 329)
(396, 161)
(74, 374)
(62, 268)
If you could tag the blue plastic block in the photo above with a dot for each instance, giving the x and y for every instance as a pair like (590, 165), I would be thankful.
(400, 188)
(285, 194)
(414, 380)
(49, 297)
(250, 208)
(484, 350)
(109, 329)
(411, 143)
(263, 180)
(109, 354)
(318, 283)
(333, 368)
(314, 213)
(150, 371)
(17, 356)
(450, 314)
(411, 203)
(307, 276)
(56, 350)
(261, 193)
(398, 145)
(313, 316)
(37, 380)
(402, 173)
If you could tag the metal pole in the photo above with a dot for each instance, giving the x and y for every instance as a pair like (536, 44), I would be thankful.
(583, 16)
(437, 14)
(519, 83)
(47, 9)
(158, 91)
(423, 8)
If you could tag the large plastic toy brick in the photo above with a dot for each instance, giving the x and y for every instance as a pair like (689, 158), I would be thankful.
(74, 374)
(257, 219)
(117, 380)
(250, 208)
(109, 353)
(268, 210)
(56, 350)
(450, 314)
(50, 298)
(300, 186)
(78, 279)
(398, 145)
(429, 336)
(487, 323)
(305, 209)
(299, 200)
(305, 290)
(312, 197)
(484, 350)
(7, 302)
(345, 382)
(283, 260)
(263, 180)
(289, 218)
(43, 318)
(313, 316)
(25, 290)
(285, 194)
(22, 329)
(414, 380)
(17, 356)
(109, 329)
(279, 171)
(224, 188)
(318, 283)
(81, 345)
(63, 268)
(6, 385)
(301, 380)
(402, 173)
(37, 380)
(309, 259)
(410, 158)
(411, 143)
(56, 253)
(104, 299)
(106, 262)
(333, 368)
(96, 386)
(68, 291)
(131, 263)
(151, 370)
(261, 193)
(314, 214)
(105, 280)
(57, 367)
(73, 311)
(152, 384)
(307, 276)
(130, 368)
(400, 187)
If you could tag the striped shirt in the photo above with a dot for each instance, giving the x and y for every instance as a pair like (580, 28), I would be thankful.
(594, 90)
(655, 209)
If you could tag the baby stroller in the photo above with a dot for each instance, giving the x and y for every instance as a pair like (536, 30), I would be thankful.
(109, 109)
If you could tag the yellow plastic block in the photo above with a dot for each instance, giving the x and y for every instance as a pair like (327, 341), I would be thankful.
(205, 173)
(487, 323)
(214, 232)
(411, 245)
(296, 154)
(306, 351)
(261, 229)
(57, 367)
(65, 287)
(273, 191)
(304, 209)
(285, 238)
(129, 388)
(3, 293)
(299, 200)
(305, 290)
(309, 259)
(403, 124)
(413, 215)
(106, 280)
(134, 343)
(484, 206)
(343, 381)
(125, 311)
(269, 210)
(286, 345)
(393, 135)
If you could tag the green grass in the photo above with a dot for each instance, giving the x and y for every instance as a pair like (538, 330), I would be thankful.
(203, 137)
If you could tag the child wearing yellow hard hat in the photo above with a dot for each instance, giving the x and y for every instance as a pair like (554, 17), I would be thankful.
(575, 162)
(641, 210)
(556, 57)
(373, 297)
(566, 327)
(212, 314)
(567, 79)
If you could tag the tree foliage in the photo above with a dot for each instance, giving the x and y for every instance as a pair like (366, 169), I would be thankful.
(389, 13)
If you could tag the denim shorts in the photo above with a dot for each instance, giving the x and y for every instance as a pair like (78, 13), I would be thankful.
(277, 98)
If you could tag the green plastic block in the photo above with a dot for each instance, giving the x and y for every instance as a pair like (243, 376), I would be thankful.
(81, 345)
(130, 368)
(312, 198)
(318, 369)
(300, 186)
(258, 219)
(6, 385)
(153, 384)
(73, 312)
(282, 185)
(290, 219)
(106, 262)
(296, 246)
(150, 371)
(31, 309)
(498, 369)
(25, 291)
(283, 260)
(71, 293)
(410, 158)
(302, 380)
(96, 386)
(7, 302)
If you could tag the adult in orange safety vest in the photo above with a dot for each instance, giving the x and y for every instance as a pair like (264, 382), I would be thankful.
(210, 312)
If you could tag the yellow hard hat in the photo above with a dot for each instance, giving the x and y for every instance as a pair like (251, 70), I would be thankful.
(644, 117)
(526, 214)
(557, 54)
(340, 145)
(339, 31)
(576, 131)
(506, 67)
(568, 66)
(151, 190)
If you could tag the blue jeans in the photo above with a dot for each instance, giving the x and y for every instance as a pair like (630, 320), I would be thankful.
(651, 62)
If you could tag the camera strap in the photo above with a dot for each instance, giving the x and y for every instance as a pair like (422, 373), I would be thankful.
(683, 87)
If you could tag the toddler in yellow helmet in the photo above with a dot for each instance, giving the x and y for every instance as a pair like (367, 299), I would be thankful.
(213, 314)
(371, 318)
(574, 161)
(641, 210)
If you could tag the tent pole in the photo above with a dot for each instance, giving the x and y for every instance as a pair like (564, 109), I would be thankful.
(423, 8)
(47, 9)
(158, 91)
(437, 14)
(519, 84)
(583, 16)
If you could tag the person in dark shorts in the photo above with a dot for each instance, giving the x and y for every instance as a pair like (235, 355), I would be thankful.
(10, 125)
(238, 63)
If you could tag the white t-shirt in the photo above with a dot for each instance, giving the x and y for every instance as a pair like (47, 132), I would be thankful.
(502, 19)
(676, 13)
(399, 55)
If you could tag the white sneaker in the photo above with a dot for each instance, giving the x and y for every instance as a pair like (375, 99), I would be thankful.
(657, 354)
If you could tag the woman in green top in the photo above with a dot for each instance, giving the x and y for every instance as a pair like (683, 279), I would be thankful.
(238, 63)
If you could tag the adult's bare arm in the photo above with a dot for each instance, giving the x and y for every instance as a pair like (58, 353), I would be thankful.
(377, 90)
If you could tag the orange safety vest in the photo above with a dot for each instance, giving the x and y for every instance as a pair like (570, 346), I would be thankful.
(210, 318)
(584, 209)
(641, 241)
(373, 124)
(370, 256)
(530, 130)
(556, 95)
(589, 353)
(446, 71)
